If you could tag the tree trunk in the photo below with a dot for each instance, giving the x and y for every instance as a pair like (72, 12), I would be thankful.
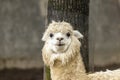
(76, 13)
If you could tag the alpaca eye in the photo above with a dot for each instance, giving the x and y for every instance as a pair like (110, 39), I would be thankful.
(51, 35)
(68, 34)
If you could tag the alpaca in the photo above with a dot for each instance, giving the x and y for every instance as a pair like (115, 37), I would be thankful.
(61, 53)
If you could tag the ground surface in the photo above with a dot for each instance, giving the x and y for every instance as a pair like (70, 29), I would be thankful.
(17, 74)
(109, 66)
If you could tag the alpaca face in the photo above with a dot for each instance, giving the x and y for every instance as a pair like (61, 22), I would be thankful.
(58, 36)
(59, 42)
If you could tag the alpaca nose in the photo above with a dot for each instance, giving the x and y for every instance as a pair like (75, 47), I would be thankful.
(60, 38)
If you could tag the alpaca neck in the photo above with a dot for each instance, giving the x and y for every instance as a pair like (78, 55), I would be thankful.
(74, 67)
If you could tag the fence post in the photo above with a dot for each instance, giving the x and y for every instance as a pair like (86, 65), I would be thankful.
(75, 12)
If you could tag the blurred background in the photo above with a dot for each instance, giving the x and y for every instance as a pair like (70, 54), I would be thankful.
(22, 23)
(104, 25)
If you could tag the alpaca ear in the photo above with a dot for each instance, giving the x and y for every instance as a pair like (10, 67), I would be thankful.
(44, 38)
(78, 34)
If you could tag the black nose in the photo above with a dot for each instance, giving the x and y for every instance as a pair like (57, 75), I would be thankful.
(60, 39)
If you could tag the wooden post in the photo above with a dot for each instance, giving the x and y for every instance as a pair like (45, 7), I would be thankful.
(75, 12)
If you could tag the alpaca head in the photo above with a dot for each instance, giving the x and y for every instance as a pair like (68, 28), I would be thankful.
(58, 36)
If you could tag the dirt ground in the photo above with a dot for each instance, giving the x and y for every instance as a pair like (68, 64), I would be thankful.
(18, 74)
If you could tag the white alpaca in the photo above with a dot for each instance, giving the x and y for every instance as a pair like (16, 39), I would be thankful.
(62, 53)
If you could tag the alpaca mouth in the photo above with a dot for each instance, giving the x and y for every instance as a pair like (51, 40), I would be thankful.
(60, 44)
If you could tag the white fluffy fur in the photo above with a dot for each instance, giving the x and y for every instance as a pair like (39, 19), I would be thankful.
(65, 61)
(107, 75)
